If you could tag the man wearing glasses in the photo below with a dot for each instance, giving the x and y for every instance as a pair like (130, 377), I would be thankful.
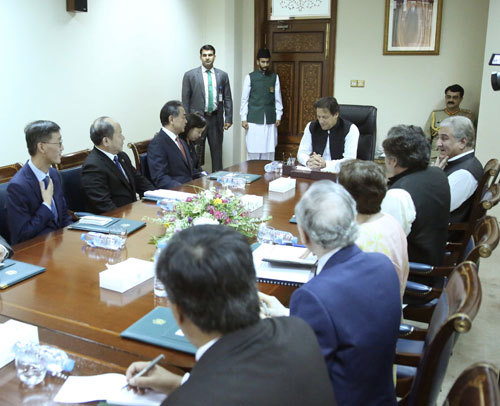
(35, 199)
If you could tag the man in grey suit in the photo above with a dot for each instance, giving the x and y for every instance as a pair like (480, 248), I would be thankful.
(206, 90)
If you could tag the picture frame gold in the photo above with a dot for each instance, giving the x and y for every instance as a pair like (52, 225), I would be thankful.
(412, 27)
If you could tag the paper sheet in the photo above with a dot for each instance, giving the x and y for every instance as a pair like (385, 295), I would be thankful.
(81, 389)
(11, 332)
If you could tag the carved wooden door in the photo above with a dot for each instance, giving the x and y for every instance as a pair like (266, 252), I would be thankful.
(303, 56)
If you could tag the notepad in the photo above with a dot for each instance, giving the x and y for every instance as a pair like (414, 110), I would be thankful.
(109, 387)
(249, 177)
(160, 194)
(285, 255)
(12, 272)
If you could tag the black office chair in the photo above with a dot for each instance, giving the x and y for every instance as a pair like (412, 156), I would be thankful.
(365, 118)
(140, 151)
(70, 171)
(6, 174)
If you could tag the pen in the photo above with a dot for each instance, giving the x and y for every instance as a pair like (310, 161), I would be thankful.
(266, 309)
(147, 368)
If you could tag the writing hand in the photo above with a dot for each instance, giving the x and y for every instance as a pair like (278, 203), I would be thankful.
(158, 378)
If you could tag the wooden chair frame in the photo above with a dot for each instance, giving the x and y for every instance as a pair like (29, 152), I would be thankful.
(139, 148)
(7, 172)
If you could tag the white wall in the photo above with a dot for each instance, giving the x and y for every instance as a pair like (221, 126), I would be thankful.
(124, 58)
(405, 89)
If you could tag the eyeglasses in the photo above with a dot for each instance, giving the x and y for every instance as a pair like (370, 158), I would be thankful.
(60, 143)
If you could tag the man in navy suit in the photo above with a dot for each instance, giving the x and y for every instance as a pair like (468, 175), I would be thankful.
(169, 161)
(35, 199)
(353, 302)
(207, 90)
(108, 177)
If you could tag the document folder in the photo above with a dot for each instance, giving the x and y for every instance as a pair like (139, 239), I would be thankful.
(129, 225)
(249, 177)
(158, 327)
(12, 272)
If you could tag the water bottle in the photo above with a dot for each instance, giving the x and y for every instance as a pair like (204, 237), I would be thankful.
(106, 241)
(159, 287)
(269, 235)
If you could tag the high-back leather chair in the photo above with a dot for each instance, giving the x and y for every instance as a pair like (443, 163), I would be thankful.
(476, 385)
(365, 118)
(422, 364)
(140, 151)
(70, 170)
(6, 174)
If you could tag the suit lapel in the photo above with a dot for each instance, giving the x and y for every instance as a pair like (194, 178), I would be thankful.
(172, 145)
(113, 168)
(199, 78)
(33, 182)
(128, 170)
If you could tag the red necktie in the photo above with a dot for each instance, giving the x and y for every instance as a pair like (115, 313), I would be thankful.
(181, 147)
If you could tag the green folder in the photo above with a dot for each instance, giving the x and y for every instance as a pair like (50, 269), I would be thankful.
(249, 177)
(129, 225)
(158, 327)
(12, 272)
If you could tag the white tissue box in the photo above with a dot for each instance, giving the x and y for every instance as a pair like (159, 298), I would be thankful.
(282, 185)
(127, 274)
(252, 202)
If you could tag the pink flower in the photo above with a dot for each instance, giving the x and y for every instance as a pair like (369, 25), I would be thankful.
(189, 199)
(218, 214)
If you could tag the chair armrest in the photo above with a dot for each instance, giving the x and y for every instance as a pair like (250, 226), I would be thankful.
(408, 359)
(410, 332)
(420, 312)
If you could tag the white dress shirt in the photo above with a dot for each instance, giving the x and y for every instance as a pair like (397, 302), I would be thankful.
(399, 204)
(462, 184)
(350, 148)
(214, 86)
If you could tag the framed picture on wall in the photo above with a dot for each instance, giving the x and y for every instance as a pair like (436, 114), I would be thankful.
(412, 27)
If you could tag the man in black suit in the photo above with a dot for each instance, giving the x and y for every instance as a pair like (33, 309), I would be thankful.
(241, 359)
(108, 177)
(169, 161)
(5, 250)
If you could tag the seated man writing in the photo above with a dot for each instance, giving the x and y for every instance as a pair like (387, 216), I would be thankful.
(353, 302)
(209, 275)
(329, 140)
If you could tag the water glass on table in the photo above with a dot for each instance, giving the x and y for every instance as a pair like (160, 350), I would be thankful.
(31, 365)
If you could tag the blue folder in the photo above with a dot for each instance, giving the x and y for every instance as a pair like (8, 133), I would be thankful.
(12, 272)
(158, 327)
(129, 225)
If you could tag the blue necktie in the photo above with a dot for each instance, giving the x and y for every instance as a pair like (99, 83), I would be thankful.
(53, 204)
(117, 163)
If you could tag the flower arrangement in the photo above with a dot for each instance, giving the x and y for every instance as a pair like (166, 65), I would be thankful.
(209, 206)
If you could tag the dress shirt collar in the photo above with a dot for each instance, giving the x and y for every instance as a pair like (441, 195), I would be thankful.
(460, 155)
(204, 348)
(204, 70)
(110, 156)
(324, 259)
(40, 175)
(172, 136)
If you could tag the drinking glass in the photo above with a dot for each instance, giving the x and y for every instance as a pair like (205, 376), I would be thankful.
(30, 362)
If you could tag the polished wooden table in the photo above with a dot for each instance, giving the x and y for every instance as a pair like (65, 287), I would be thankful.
(67, 297)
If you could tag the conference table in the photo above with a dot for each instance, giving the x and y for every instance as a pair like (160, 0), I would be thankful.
(75, 314)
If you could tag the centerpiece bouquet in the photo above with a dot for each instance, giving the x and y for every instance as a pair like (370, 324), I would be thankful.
(209, 206)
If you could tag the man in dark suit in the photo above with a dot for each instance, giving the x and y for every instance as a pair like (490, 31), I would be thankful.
(35, 199)
(353, 302)
(108, 177)
(241, 358)
(169, 160)
(5, 249)
(206, 89)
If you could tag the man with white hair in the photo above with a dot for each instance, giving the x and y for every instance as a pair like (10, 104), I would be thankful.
(353, 302)
(456, 157)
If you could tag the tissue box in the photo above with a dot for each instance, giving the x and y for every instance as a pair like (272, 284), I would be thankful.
(252, 202)
(125, 275)
(282, 185)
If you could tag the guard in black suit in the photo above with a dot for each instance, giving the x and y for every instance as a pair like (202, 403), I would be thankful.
(108, 177)
(169, 160)
(241, 358)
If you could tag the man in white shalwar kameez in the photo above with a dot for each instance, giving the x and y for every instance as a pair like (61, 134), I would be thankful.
(261, 109)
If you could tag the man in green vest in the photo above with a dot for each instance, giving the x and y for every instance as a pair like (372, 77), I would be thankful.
(454, 95)
(261, 109)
